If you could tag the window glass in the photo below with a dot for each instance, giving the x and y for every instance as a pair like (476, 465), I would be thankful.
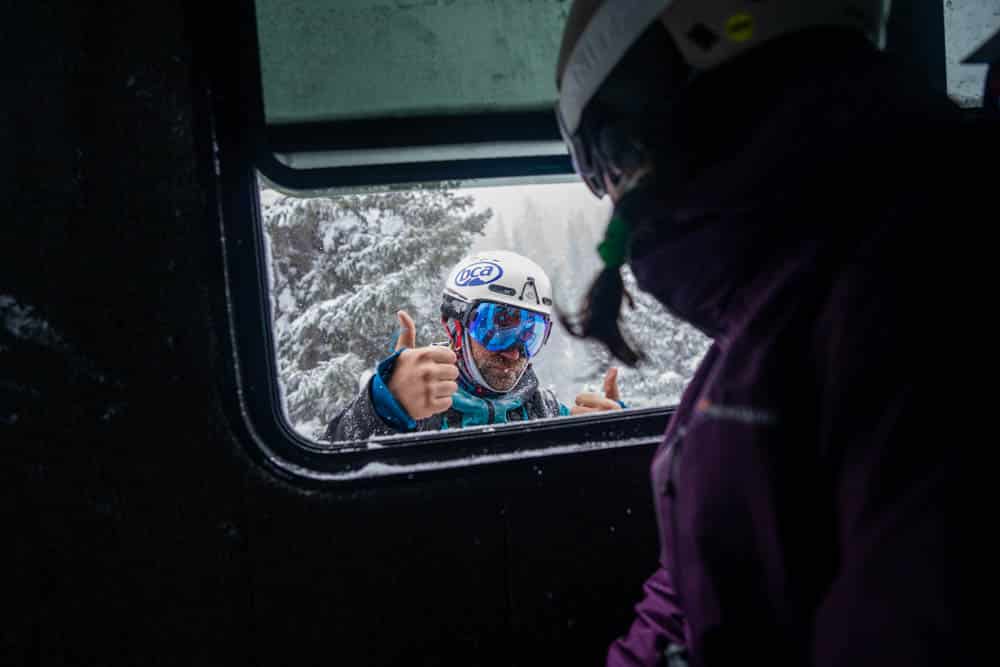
(342, 265)
(324, 60)
(351, 59)
(967, 24)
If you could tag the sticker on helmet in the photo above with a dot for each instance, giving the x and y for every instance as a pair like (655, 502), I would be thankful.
(480, 273)
(739, 27)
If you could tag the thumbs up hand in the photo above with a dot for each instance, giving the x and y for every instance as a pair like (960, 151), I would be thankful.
(611, 385)
(407, 331)
(424, 378)
(592, 402)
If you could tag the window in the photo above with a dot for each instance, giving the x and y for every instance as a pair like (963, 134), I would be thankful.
(337, 102)
(458, 90)
(342, 265)
(968, 24)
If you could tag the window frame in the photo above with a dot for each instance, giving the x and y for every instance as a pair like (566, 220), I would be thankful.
(238, 145)
(381, 133)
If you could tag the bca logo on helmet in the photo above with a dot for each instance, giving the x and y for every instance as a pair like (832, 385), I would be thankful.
(480, 273)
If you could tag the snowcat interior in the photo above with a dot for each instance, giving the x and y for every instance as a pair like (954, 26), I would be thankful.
(162, 507)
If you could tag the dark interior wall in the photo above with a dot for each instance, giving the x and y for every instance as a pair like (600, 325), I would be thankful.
(915, 36)
(129, 484)
(141, 531)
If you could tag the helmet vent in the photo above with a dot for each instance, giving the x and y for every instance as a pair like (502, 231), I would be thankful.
(528, 292)
(500, 289)
(703, 36)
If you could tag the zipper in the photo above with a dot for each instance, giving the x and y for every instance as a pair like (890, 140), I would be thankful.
(672, 452)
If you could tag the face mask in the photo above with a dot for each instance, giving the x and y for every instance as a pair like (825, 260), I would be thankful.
(687, 259)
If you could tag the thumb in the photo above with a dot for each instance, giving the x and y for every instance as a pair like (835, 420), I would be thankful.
(407, 331)
(611, 384)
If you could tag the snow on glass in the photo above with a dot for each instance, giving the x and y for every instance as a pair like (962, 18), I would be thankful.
(341, 266)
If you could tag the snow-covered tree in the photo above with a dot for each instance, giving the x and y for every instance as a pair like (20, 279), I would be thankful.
(672, 348)
(340, 268)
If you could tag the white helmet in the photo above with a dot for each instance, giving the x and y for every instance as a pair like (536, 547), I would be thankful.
(497, 277)
(707, 33)
(501, 276)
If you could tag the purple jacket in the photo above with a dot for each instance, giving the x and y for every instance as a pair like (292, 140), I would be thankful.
(806, 510)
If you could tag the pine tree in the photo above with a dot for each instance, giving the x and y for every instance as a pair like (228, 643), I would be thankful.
(341, 267)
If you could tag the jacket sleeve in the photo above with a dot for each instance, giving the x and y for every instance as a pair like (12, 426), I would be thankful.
(359, 420)
(546, 404)
(374, 411)
(658, 623)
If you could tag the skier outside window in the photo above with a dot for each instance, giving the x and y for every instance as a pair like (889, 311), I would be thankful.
(496, 309)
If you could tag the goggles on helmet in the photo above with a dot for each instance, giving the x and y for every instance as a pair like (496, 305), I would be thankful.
(497, 326)
(584, 164)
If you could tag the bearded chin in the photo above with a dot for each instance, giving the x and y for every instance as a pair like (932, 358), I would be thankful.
(501, 377)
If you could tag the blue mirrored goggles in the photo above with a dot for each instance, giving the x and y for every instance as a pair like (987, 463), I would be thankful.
(497, 327)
